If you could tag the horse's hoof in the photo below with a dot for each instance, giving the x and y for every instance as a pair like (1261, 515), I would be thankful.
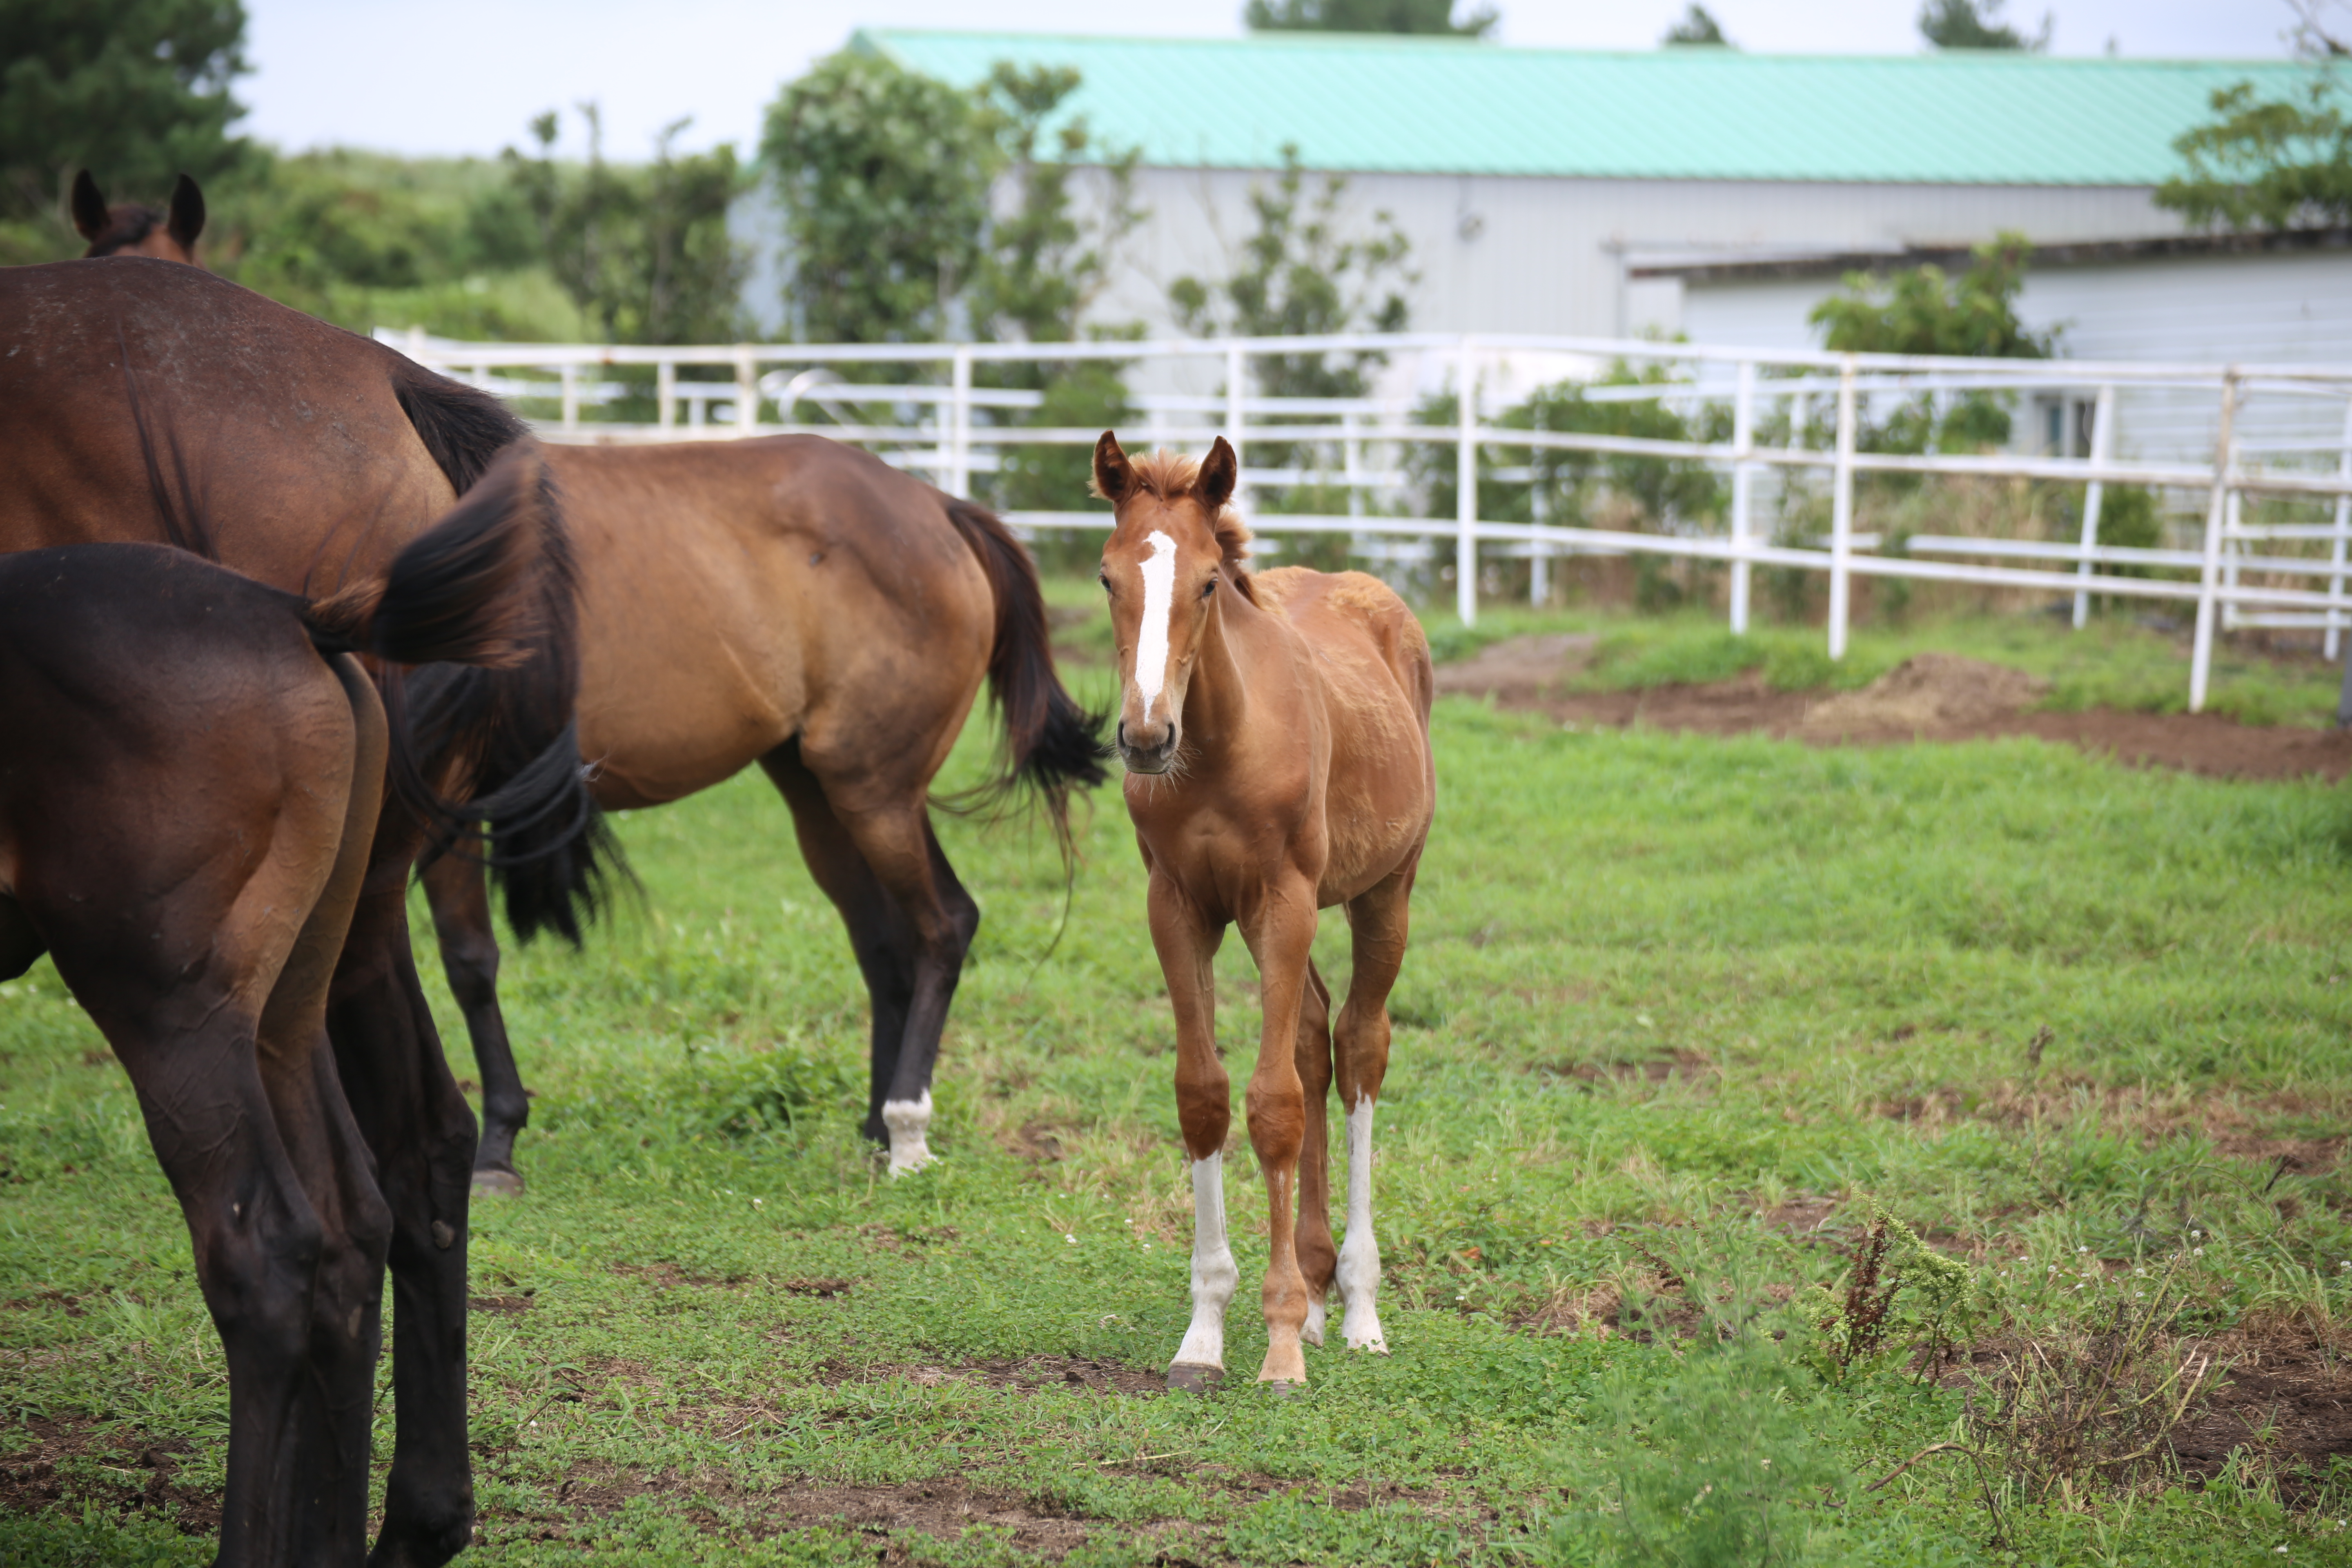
(1186, 1377)
(1283, 1388)
(504, 1184)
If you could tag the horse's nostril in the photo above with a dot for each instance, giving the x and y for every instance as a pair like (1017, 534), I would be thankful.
(1121, 735)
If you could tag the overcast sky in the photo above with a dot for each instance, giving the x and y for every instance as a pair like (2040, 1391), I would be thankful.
(467, 76)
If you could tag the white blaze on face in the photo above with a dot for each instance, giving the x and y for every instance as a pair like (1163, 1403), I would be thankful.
(1159, 605)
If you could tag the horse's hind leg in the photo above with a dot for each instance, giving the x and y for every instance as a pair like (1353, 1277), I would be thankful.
(456, 889)
(1380, 919)
(881, 935)
(417, 1124)
(1317, 1260)
(323, 1144)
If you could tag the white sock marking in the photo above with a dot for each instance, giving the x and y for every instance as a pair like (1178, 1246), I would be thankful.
(1214, 1274)
(1359, 1255)
(1159, 605)
(909, 1121)
(1318, 1314)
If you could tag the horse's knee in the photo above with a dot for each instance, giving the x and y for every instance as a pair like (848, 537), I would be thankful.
(258, 1272)
(1277, 1124)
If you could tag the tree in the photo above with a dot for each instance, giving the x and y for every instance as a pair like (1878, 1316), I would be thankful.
(1047, 260)
(2278, 164)
(1922, 311)
(1365, 17)
(644, 253)
(885, 177)
(136, 90)
(1974, 25)
(1300, 277)
(1697, 26)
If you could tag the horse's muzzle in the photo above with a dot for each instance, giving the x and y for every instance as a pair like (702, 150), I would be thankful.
(1154, 758)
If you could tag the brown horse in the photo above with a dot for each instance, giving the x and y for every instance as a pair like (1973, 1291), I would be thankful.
(191, 764)
(130, 230)
(1275, 732)
(802, 604)
(141, 400)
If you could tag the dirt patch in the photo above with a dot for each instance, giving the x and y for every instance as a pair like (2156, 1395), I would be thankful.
(1930, 694)
(2287, 1400)
(1938, 700)
(1532, 667)
(940, 1508)
(1680, 1064)
(1027, 1373)
(498, 1303)
(1801, 1215)
(47, 1463)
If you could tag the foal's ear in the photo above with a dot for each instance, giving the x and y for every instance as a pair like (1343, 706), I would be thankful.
(1113, 475)
(89, 207)
(187, 219)
(1219, 472)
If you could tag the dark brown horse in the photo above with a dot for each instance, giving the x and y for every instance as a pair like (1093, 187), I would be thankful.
(306, 458)
(801, 605)
(191, 764)
(128, 228)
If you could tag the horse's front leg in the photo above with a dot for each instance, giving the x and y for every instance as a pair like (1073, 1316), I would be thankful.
(1187, 942)
(1281, 939)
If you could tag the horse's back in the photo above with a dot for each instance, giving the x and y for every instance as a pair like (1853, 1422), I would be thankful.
(738, 594)
(1373, 660)
(283, 429)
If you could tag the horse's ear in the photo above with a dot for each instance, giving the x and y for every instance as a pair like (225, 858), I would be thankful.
(89, 207)
(1114, 476)
(187, 219)
(1219, 472)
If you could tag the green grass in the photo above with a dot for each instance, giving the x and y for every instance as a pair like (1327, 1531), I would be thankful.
(2115, 662)
(1848, 951)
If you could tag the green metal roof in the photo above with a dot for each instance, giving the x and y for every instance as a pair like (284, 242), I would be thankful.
(1370, 104)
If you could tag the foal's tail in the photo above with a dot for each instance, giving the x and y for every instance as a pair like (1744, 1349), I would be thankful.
(472, 591)
(1051, 744)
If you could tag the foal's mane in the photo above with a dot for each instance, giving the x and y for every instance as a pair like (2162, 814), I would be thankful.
(1170, 477)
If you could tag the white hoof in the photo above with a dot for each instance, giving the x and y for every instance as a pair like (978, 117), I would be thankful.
(1361, 1332)
(1313, 1332)
(909, 1121)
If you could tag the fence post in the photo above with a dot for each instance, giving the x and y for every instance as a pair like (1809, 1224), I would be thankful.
(1841, 510)
(2217, 506)
(2343, 537)
(2102, 446)
(1236, 368)
(666, 395)
(747, 392)
(1539, 511)
(1743, 474)
(1466, 486)
(959, 474)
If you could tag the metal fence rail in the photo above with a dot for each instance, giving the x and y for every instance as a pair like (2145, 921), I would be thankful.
(729, 391)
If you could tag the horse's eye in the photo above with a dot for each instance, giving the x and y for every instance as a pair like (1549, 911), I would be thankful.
(1208, 587)
(1103, 578)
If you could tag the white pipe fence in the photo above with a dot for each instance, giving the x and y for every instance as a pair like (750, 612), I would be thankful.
(725, 390)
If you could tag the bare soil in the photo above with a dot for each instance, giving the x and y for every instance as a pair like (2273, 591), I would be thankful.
(1935, 697)
(46, 1463)
(2287, 1401)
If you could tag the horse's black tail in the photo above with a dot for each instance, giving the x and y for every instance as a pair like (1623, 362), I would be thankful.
(1051, 744)
(482, 604)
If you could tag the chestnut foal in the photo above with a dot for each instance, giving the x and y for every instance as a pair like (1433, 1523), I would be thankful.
(1275, 732)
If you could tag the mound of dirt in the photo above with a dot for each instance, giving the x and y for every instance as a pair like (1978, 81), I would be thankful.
(1929, 693)
(1531, 667)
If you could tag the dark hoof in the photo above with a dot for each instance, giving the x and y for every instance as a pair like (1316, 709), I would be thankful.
(505, 1184)
(1283, 1388)
(1186, 1378)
